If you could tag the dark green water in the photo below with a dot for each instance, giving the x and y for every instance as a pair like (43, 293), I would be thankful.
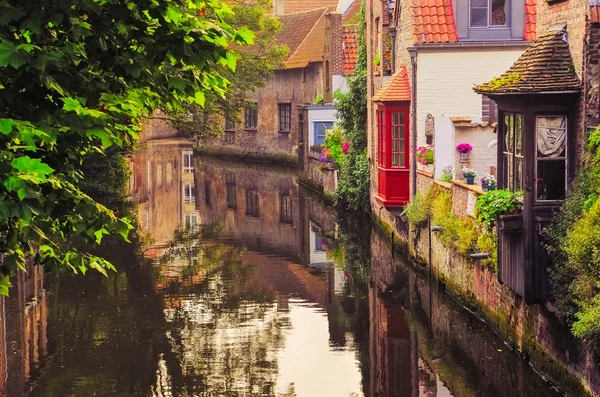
(267, 292)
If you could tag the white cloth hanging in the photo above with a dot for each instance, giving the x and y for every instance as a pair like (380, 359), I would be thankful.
(551, 135)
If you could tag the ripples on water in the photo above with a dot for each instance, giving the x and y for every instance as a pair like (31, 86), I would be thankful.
(266, 293)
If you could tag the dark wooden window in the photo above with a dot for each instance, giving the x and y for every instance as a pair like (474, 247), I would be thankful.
(251, 117)
(252, 203)
(229, 137)
(285, 208)
(551, 158)
(489, 110)
(230, 191)
(229, 123)
(285, 117)
(512, 152)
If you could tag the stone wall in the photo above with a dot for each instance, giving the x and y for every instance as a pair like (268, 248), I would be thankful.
(322, 176)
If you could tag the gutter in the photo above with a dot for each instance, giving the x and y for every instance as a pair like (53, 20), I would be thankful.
(413, 116)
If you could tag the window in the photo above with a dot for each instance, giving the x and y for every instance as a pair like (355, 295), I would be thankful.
(229, 137)
(188, 162)
(190, 221)
(188, 193)
(486, 13)
(159, 175)
(252, 203)
(251, 117)
(512, 158)
(398, 140)
(551, 158)
(230, 191)
(320, 130)
(285, 208)
(285, 117)
(229, 123)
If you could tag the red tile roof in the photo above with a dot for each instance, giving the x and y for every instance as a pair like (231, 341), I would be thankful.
(396, 89)
(594, 11)
(351, 12)
(433, 21)
(350, 46)
(530, 20)
(304, 34)
(291, 6)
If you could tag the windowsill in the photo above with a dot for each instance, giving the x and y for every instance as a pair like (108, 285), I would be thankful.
(516, 43)
(476, 188)
(284, 132)
(251, 129)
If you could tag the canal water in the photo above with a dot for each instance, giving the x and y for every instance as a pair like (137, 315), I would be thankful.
(241, 282)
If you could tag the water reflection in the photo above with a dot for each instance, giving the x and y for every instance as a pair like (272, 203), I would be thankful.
(240, 283)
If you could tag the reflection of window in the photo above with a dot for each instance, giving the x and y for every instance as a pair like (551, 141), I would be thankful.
(207, 193)
(285, 117)
(485, 13)
(230, 191)
(169, 173)
(285, 207)
(551, 157)
(512, 159)
(251, 118)
(489, 110)
(252, 202)
(188, 193)
(191, 221)
(188, 162)
(159, 176)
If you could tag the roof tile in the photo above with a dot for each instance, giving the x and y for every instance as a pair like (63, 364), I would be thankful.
(433, 21)
(396, 89)
(546, 66)
(350, 46)
(530, 20)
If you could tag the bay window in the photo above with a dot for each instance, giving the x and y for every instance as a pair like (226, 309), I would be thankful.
(551, 158)
(512, 152)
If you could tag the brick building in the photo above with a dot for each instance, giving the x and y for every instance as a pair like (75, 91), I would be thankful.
(270, 127)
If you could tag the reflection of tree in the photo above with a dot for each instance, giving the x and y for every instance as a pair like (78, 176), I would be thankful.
(223, 326)
(357, 267)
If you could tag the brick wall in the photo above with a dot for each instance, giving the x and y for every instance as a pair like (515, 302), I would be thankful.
(333, 44)
(321, 175)
(592, 76)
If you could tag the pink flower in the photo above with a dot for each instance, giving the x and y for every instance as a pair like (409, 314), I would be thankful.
(345, 147)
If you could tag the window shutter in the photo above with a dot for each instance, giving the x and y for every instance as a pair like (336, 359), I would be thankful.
(489, 110)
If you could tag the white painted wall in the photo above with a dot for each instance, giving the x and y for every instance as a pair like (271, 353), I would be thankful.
(318, 113)
(445, 81)
(339, 83)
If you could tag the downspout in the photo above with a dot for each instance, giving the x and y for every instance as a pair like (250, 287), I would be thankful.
(413, 116)
(392, 31)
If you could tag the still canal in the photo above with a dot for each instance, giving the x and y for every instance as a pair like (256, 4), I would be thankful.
(241, 282)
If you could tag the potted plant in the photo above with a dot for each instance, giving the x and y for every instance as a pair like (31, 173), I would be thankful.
(469, 175)
(500, 206)
(465, 150)
(488, 182)
(424, 154)
(447, 174)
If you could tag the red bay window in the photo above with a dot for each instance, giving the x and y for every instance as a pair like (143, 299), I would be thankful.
(393, 162)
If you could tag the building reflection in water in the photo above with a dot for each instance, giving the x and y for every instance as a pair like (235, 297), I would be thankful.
(23, 332)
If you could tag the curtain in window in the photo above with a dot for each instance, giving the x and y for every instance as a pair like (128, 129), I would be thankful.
(551, 135)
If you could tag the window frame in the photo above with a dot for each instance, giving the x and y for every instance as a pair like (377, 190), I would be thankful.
(564, 158)
(187, 159)
(252, 203)
(229, 124)
(188, 193)
(251, 118)
(385, 138)
(284, 120)
(286, 214)
(230, 191)
(507, 183)
(489, 16)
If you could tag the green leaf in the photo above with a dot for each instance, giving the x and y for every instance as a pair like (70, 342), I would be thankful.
(5, 285)
(245, 35)
(200, 98)
(6, 125)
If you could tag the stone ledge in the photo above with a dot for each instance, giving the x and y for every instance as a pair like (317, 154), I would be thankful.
(425, 173)
(445, 185)
(474, 188)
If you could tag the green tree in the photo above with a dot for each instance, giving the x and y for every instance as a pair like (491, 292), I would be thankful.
(351, 107)
(77, 77)
(255, 65)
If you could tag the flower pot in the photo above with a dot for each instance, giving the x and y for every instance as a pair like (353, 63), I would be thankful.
(465, 156)
(510, 223)
(470, 181)
(487, 188)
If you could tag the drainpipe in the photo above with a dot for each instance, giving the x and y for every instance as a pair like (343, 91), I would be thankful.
(392, 31)
(413, 116)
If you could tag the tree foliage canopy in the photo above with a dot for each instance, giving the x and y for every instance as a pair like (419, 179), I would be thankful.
(255, 65)
(77, 77)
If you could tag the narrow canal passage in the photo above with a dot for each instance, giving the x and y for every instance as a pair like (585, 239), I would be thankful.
(243, 283)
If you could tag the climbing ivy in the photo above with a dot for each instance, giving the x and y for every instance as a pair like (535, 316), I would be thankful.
(573, 241)
(78, 77)
(351, 108)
